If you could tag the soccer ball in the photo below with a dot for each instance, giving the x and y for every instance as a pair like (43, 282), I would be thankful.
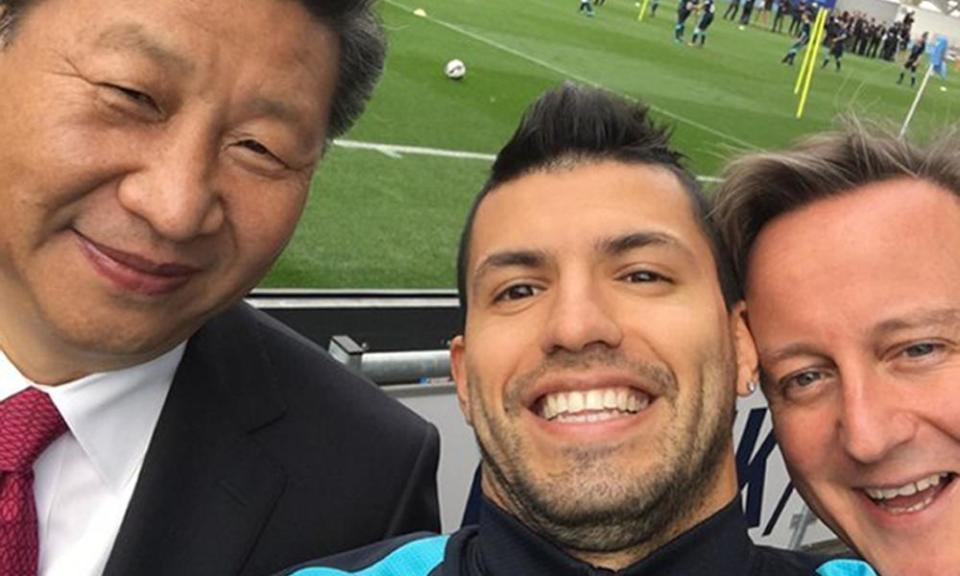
(455, 69)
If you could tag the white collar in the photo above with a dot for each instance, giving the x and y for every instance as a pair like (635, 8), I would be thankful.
(111, 414)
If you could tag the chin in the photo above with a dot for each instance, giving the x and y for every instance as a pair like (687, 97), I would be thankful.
(138, 339)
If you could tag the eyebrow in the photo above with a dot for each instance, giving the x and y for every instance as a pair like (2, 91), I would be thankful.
(134, 37)
(932, 317)
(617, 245)
(925, 317)
(789, 351)
(276, 109)
(508, 259)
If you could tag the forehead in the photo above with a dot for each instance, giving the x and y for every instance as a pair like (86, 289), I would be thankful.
(889, 219)
(567, 210)
(204, 34)
(863, 254)
(206, 14)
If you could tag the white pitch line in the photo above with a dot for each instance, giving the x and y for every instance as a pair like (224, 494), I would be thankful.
(397, 151)
(577, 77)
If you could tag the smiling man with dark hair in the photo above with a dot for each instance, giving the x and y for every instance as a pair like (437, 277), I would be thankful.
(156, 158)
(602, 352)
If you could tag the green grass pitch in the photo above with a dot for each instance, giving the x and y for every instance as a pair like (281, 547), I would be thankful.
(386, 220)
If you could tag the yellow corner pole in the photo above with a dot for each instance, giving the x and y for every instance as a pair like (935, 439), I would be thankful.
(818, 23)
(814, 52)
(643, 10)
(814, 31)
(817, 41)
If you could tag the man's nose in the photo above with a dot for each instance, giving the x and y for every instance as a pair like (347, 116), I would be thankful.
(174, 190)
(874, 418)
(580, 316)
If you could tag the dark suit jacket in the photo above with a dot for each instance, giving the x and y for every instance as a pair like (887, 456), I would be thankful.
(269, 453)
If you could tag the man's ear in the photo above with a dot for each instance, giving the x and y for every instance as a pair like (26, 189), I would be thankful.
(458, 367)
(748, 361)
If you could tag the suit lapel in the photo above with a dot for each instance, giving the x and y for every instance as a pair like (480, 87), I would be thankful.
(206, 487)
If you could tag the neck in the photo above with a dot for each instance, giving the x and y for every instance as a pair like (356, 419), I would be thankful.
(724, 490)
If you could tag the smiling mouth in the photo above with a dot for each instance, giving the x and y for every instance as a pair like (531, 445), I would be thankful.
(911, 497)
(134, 273)
(589, 406)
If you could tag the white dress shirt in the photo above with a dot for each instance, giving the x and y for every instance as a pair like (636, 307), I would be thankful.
(84, 480)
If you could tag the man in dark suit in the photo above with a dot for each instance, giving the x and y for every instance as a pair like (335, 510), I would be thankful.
(156, 157)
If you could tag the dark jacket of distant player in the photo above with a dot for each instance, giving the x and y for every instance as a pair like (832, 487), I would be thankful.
(805, 31)
(501, 546)
(917, 51)
(685, 8)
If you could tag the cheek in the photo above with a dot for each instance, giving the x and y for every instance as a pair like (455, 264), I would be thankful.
(804, 439)
(499, 351)
(489, 364)
(483, 406)
(503, 344)
(263, 226)
(692, 344)
(941, 405)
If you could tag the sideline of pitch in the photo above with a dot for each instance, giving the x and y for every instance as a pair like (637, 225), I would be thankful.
(398, 150)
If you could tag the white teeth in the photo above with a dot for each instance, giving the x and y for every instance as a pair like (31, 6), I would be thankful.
(610, 398)
(550, 405)
(594, 400)
(915, 508)
(890, 493)
(602, 403)
(908, 489)
(576, 402)
(588, 417)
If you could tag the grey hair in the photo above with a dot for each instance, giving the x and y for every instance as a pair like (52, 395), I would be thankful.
(759, 187)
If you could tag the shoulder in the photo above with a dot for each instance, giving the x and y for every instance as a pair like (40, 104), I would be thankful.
(411, 555)
(313, 403)
(303, 372)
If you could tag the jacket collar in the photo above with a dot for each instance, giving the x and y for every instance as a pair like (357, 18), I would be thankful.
(207, 485)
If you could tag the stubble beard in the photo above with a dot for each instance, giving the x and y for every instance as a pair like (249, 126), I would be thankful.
(588, 509)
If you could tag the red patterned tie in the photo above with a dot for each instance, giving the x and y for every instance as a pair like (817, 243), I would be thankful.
(29, 422)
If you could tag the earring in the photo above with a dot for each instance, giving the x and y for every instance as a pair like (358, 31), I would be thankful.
(751, 386)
